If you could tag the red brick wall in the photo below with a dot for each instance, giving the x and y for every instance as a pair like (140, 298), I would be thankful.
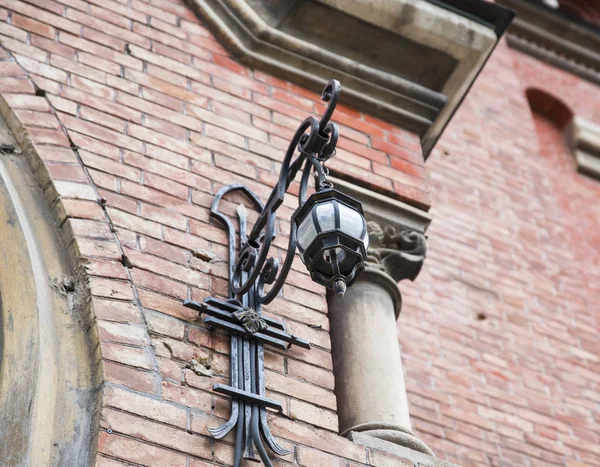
(145, 110)
(499, 332)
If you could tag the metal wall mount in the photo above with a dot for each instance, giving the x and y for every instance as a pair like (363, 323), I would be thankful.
(251, 273)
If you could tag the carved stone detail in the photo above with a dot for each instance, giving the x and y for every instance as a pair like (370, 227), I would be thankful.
(398, 253)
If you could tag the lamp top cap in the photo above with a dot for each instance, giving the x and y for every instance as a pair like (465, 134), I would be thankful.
(326, 194)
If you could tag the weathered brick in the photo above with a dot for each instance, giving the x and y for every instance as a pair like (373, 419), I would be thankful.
(148, 407)
(134, 451)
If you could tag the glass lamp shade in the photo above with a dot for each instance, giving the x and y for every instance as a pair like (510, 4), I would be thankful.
(332, 238)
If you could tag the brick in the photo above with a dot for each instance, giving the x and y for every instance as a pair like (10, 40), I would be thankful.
(117, 19)
(167, 268)
(84, 227)
(123, 312)
(29, 102)
(156, 197)
(51, 46)
(83, 209)
(102, 105)
(50, 5)
(20, 48)
(108, 165)
(165, 87)
(162, 99)
(130, 356)
(308, 457)
(167, 28)
(163, 250)
(63, 105)
(16, 85)
(131, 378)
(176, 439)
(49, 136)
(42, 16)
(103, 39)
(300, 390)
(12, 31)
(110, 269)
(41, 119)
(95, 146)
(122, 334)
(108, 288)
(98, 248)
(92, 87)
(148, 407)
(160, 284)
(106, 27)
(187, 396)
(161, 324)
(101, 133)
(317, 438)
(11, 69)
(75, 190)
(33, 26)
(314, 415)
(135, 223)
(312, 374)
(135, 451)
(166, 305)
(122, 10)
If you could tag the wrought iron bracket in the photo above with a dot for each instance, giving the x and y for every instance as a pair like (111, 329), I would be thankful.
(255, 278)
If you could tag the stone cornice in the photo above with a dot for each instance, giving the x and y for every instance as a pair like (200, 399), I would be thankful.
(553, 58)
(547, 35)
(410, 62)
(584, 138)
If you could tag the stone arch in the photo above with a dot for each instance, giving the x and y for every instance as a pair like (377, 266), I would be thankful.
(50, 366)
(549, 106)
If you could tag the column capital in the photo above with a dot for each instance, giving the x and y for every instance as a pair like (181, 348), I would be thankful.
(399, 252)
(395, 254)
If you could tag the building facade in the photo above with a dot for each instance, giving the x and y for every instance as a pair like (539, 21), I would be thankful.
(121, 119)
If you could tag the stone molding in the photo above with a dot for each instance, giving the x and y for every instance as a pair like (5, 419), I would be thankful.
(50, 404)
(413, 64)
(583, 137)
(545, 34)
(383, 209)
(553, 58)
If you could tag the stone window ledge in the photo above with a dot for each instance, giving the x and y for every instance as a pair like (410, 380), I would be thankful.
(410, 62)
(584, 138)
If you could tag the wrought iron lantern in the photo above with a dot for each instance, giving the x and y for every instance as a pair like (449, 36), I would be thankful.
(332, 238)
(329, 230)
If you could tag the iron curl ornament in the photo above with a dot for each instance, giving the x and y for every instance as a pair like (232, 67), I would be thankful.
(329, 231)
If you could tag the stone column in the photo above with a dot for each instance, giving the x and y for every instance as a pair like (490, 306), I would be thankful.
(369, 380)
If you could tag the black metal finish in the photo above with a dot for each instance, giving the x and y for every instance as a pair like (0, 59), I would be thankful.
(249, 277)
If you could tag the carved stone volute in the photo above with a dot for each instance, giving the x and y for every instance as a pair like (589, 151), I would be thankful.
(398, 253)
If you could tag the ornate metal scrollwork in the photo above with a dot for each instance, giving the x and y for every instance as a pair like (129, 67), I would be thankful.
(250, 274)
